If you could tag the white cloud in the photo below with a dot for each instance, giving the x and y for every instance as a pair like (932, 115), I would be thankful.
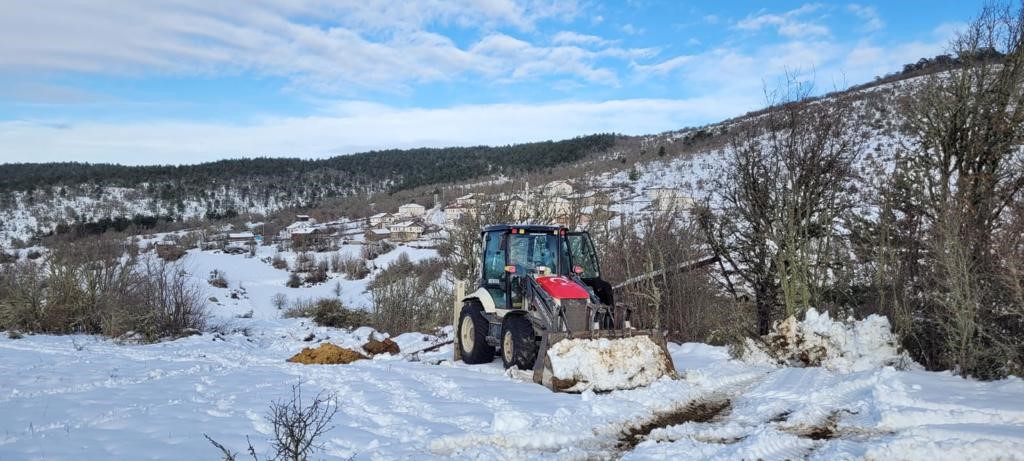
(869, 14)
(318, 44)
(786, 24)
(568, 37)
(352, 127)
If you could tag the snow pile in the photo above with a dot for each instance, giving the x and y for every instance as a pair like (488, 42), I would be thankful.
(853, 345)
(607, 364)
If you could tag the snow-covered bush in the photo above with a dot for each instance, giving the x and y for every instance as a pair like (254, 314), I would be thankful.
(819, 341)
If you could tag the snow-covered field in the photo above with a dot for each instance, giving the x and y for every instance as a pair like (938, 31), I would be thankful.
(80, 397)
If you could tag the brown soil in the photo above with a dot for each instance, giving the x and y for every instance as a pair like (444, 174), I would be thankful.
(698, 412)
(387, 346)
(326, 354)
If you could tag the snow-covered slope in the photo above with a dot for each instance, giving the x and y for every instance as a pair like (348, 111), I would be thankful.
(79, 397)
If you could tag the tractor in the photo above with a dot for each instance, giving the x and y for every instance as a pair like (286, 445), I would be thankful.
(540, 286)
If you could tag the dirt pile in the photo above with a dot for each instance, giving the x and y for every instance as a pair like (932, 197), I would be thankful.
(387, 346)
(326, 354)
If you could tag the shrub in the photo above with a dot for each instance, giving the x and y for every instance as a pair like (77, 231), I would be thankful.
(328, 312)
(279, 262)
(374, 249)
(318, 274)
(279, 300)
(410, 296)
(354, 268)
(293, 281)
(88, 288)
(218, 279)
(297, 426)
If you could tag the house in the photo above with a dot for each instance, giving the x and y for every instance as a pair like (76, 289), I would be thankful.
(301, 222)
(381, 219)
(558, 188)
(518, 207)
(374, 234)
(310, 238)
(453, 213)
(412, 210)
(467, 200)
(405, 231)
(668, 198)
(243, 238)
(304, 218)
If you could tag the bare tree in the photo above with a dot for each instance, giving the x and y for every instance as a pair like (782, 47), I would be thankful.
(299, 425)
(956, 179)
(773, 220)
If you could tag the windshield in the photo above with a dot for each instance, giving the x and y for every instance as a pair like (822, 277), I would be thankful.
(527, 251)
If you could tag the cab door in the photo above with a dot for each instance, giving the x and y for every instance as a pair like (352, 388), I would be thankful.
(583, 254)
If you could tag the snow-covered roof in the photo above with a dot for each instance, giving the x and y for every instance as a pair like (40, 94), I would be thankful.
(404, 224)
(241, 235)
(466, 197)
(379, 215)
(304, 231)
(380, 231)
(412, 205)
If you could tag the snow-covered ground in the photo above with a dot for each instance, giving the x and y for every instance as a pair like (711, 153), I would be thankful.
(81, 397)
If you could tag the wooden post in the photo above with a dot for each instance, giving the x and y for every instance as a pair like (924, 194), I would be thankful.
(460, 292)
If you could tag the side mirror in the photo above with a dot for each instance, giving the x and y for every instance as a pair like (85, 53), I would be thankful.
(577, 269)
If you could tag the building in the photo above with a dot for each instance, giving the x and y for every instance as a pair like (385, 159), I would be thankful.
(668, 198)
(405, 231)
(374, 234)
(243, 238)
(467, 200)
(453, 213)
(557, 188)
(412, 210)
(310, 238)
(381, 219)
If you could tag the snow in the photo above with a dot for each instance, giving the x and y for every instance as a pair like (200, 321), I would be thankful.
(82, 397)
(853, 345)
(604, 365)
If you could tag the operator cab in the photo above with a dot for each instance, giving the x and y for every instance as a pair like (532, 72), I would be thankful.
(512, 252)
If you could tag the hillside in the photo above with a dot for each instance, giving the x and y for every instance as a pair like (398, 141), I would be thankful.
(35, 198)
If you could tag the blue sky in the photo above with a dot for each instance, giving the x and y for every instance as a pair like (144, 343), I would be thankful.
(183, 81)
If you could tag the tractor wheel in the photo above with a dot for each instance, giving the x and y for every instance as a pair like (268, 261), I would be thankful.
(518, 343)
(473, 335)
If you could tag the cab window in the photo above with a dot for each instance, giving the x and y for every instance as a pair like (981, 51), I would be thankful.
(582, 252)
(494, 258)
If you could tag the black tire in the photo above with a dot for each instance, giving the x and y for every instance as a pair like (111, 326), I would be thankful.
(518, 343)
(475, 349)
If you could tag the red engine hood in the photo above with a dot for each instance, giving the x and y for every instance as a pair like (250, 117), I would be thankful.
(562, 287)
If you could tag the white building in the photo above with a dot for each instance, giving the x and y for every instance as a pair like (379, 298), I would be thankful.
(557, 188)
(467, 200)
(453, 213)
(412, 210)
(381, 219)
(668, 198)
(405, 231)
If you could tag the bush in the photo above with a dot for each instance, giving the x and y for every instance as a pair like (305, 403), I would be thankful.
(410, 296)
(354, 268)
(293, 281)
(298, 426)
(88, 288)
(279, 262)
(328, 312)
(318, 274)
(371, 250)
(218, 279)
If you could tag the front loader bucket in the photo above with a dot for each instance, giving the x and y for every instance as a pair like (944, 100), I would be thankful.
(602, 360)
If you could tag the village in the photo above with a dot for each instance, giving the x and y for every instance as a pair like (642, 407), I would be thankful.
(412, 224)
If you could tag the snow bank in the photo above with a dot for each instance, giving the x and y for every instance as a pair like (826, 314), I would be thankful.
(843, 346)
(604, 365)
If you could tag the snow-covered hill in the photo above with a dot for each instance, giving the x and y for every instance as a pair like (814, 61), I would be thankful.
(81, 397)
